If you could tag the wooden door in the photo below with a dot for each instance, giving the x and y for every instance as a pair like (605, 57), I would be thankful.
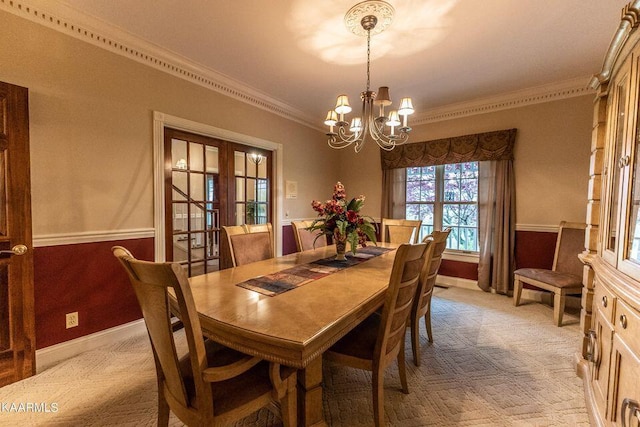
(17, 323)
(195, 199)
(601, 351)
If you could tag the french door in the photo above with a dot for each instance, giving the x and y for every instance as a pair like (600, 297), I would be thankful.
(210, 183)
(17, 318)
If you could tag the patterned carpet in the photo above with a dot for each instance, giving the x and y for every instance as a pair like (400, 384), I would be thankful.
(491, 364)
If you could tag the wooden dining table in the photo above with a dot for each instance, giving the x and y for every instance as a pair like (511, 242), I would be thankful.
(296, 327)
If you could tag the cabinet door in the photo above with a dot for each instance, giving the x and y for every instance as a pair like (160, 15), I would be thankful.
(630, 247)
(619, 111)
(625, 379)
(601, 337)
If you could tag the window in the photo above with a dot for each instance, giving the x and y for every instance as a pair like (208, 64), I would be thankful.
(445, 196)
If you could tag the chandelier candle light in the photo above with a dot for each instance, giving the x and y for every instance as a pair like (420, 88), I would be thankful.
(363, 19)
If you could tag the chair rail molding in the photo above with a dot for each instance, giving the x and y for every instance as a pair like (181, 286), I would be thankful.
(91, 237)
(160, 120)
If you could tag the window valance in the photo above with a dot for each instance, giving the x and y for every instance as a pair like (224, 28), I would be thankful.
(497, 145)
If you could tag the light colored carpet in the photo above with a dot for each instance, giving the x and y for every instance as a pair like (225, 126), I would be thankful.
(491, 364)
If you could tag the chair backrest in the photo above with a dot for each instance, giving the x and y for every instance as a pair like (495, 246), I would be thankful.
(430, 269)
(245, 244)
(403, 282)
(151, 282)
(305, 239)
(570, 243)
(400, 230)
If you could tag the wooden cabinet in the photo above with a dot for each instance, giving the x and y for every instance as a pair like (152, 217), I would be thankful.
(600, 348)
(609, 363)
(624, 402)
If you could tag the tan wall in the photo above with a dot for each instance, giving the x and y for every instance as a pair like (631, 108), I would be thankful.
(91, 130)
(551, 158)
(91, 139)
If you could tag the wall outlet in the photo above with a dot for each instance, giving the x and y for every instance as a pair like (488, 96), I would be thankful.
(72, 320)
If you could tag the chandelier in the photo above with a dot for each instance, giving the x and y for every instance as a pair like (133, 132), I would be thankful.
(367, 18)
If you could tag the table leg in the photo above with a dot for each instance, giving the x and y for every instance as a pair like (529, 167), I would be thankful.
(310, 395)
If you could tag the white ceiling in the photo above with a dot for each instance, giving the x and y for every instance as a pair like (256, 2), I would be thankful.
(440, 52)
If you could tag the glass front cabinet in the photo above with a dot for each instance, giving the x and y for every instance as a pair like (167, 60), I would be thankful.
(609, 362)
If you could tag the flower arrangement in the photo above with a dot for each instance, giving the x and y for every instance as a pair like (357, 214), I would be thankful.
(342, 220)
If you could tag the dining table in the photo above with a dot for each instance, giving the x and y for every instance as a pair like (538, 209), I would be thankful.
(295, 327)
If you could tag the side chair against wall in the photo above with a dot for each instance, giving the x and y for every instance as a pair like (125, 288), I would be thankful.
(212, 384)
(305, 239)
(565, 277)
(400, 230)
(379, 339)
(243, 244)
(422, 301)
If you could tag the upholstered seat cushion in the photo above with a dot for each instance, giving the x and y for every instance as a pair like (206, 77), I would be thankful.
(555, 278)
(361, 341)
(226, 394)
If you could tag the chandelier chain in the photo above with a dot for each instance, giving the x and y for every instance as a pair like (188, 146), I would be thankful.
(368, 60)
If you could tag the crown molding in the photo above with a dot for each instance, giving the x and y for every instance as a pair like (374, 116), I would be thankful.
(72, 22)
(504, 101)
(67, 20)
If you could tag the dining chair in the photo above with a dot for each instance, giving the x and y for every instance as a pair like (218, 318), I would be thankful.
(422, 301)
(400, 230)
(379, 339)
(305, 239)
(244, 244)
(211, 384)
(565, 276)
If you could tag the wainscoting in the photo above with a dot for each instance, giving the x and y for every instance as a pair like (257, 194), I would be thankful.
(85, 277)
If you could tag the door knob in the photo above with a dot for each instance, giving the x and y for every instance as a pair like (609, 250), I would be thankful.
(16, 250)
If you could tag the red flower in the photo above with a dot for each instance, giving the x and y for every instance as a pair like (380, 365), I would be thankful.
(352, 217)
(339, 192)
(317, 206)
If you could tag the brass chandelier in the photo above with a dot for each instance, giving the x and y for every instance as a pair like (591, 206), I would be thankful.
(387, 131)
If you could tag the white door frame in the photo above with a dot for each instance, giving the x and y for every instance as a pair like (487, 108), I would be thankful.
(160, 120)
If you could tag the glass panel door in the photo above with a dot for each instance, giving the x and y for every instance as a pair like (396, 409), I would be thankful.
(252, 186)
(615, 167)
(193, 200)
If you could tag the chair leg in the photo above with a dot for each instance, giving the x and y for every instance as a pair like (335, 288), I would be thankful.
(289, 404)
(402, 369)
(517, 291)
(163, 408)
(558, 306)
(415, 338)
(427, 322)
(378, 396)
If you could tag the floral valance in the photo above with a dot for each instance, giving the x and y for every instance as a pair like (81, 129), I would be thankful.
(497, 145)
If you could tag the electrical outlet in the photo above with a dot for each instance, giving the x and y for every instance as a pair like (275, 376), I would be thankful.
(72, 320)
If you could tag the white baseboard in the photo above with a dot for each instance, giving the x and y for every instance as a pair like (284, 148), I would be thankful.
(52, 355)
(457, 282)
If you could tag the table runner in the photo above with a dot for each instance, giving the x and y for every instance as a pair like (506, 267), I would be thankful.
(291, 278)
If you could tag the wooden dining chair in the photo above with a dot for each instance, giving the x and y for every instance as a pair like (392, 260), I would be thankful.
(422, 301)
(305, 239)
(400, 230)
(212, 384)
(379, 339)
(565, 276)
(244, 244)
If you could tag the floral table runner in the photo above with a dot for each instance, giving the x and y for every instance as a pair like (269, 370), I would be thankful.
(291, 278)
